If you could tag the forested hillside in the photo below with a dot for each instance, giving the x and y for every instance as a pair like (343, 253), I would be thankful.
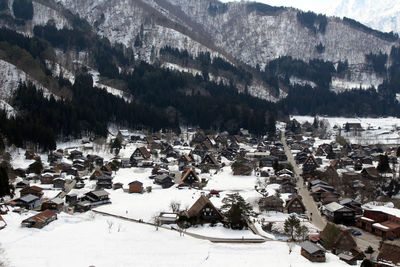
(179, 86)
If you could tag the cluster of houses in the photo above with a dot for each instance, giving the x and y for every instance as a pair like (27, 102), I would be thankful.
(337, 239)
(73, 169)
(340, 241)
(337, 176)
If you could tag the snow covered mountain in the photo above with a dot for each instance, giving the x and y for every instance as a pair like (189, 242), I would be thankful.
(383, 15)
(242, 33)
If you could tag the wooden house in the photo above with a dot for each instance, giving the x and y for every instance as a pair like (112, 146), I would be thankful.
(107, 169)
(46, 178)
(244, 169)
(149, 140)
(117, 186)
(98, 197)
(75, 154)
(337, 239)
(83, 206)
(352, 204)
(389, 253)
(206, 145)
(32, 190)
(59, 183)
(104, 182)
(184, 159)
(339, 214)
(295, 205)
(204, 211)
(312, 252)
(97, 160)
(321, 152)
(268, 161)
(141, 153)
(55, 204)
(287, 187)
(222, 139)
(310, 165)
(210, 161)
(40, 220)
(370, 173)
(199, 137)
(96, 173)
(271, 203)
(135, 187)
(71, 199)
(237, 139)
(22, 184)
(165, 180)
(29, 202)
(190, 177)
(301, 157)
(329, 197)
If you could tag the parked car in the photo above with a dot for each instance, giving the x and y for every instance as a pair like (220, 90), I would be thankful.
(356, 233)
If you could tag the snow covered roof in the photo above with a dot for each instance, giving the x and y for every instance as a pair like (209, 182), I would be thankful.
(380, 226)
(367, 219)
(311, 247)
(334, 206)
(384, 209)
(28, 198)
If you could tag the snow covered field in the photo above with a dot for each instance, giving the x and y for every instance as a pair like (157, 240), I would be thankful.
(375, 130)
(84, 240)
(88, 239)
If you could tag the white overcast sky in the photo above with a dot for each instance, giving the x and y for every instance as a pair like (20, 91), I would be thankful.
(320, 6)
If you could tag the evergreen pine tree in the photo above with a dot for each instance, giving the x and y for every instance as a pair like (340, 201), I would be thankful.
(291, 224)
(236, 209)
(383, 164)
(4, 181)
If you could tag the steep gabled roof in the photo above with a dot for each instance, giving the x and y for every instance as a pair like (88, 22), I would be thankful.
(200, 204)
(390, 251)
(311, 157)
(295, 198)
(211, 157)
(144, 152)
(187, 173)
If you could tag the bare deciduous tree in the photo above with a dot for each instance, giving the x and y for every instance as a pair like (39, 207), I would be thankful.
(175, 206)
(110, 225)
(156, 221)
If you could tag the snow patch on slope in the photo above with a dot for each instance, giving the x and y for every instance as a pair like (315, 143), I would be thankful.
(58, 71)
(42, 14)
(10, 111)
(294, 80)
(172, 66)
(111, 90)
(363, 81)
(10, 79)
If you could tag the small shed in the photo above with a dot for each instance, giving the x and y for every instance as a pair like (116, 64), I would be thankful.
(40, 220)
(55, 204)
(135, 187)
(312, 252)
